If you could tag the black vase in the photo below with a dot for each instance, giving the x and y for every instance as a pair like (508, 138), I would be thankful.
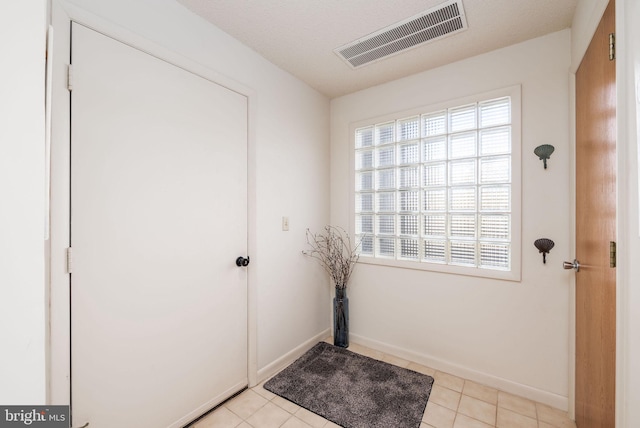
(341, 318)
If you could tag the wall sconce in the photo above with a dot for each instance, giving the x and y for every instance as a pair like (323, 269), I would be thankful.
(544, 152)
(544, 245)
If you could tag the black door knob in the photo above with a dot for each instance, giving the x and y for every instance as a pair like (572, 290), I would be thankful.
(241, 261)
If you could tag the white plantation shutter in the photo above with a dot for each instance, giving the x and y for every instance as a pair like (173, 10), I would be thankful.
(437, 187)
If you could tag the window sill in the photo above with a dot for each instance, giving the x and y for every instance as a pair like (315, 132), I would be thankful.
(512, 275)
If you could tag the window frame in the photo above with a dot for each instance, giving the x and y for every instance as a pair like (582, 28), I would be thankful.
(515, 273)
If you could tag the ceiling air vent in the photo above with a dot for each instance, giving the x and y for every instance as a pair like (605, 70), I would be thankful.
(444, 20)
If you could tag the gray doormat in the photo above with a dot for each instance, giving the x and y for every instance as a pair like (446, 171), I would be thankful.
(352, 390)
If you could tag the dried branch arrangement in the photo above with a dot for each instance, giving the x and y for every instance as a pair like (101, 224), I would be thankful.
(335, 252)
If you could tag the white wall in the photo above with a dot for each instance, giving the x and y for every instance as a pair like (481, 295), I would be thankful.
(628, 85)
(22, 275)
(628, 24)
(628, 89)
(290, 162)
(506, 334)
(584, 23)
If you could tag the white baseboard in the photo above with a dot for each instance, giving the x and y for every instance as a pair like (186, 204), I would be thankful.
(288, 358)
(535, 394)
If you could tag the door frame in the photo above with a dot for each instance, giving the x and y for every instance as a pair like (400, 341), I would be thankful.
(622, 230)
(62, 14)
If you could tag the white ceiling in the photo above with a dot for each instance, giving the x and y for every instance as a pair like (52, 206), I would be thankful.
(300, 35)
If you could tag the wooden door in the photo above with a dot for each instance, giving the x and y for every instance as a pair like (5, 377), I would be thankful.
(595, 229)
(158, 218)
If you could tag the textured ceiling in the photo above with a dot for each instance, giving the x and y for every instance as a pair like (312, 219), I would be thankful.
(300, 35)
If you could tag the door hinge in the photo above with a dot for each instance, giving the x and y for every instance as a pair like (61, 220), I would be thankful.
(613, 254)
(612, 46)
(69, 260)
(69, 77)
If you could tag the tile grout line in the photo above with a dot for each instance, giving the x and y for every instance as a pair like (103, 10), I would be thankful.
(483, 396)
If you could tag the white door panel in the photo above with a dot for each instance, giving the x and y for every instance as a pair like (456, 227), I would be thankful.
(158, 217)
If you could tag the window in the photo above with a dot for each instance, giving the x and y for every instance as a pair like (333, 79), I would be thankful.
(440, 187)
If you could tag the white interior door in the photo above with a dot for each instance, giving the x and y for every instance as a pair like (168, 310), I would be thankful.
(158, 217)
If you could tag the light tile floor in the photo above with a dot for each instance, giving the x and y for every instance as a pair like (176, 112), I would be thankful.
(454, 403)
